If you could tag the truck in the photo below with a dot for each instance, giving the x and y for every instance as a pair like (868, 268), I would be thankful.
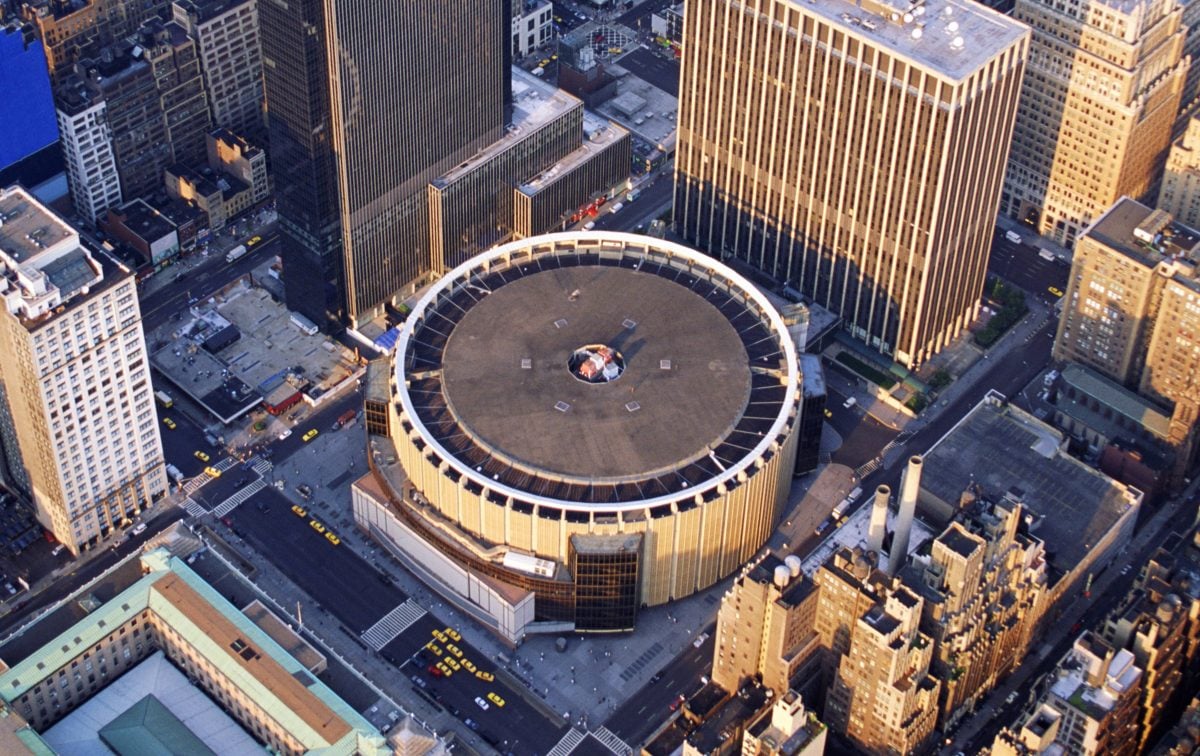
(235, 253)
(1013, 237)
(164, 399)
(175, 473)
(345, 419)
(840, 510)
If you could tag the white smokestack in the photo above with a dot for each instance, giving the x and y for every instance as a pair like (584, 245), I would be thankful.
(910, 485)
(878, 527)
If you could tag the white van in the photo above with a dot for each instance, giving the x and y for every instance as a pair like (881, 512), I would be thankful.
(1013, 237)
(589, 225)
(1046, 255)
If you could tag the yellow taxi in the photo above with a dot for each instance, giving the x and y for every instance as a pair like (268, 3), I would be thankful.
(485, 676)
(454, 636)
(439, 635)
(545, 62)
(495, 699)
(453, 649)
(309, 436)
(828, 412)
(333, 539)
(452, 663)
(316, 525)
(1055, 291)
(201, 456)
(254, 241)
(433, 648)
(468, 665)
(169, 423)
(299, 510)
(446, 671)
(212, 472)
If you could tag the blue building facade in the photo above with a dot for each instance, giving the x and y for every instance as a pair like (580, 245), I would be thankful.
(28, 128)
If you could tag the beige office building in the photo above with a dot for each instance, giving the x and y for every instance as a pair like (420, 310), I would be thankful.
(78, 425)
(1132, 311)
(1100, 98)
(853, 152)
(1180, 192)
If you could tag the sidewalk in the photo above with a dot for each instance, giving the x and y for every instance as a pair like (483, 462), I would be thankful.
(1030, 237)
(220, 243)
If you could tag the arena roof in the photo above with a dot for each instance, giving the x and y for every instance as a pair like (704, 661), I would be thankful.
(709, 381)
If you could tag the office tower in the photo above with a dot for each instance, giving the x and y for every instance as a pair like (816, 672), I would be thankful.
(882, 696)
(87, 149)
(226, 35)
(854, 152)
(296, 87)
(414, 92)
(1090, 708)
(29, 152)
(80, 406)
(76, 30)
(984, 586)
(150, 94)
(1132, 312)
(1180, 191)
(765, 627)
(175, 65)
(1097, 108)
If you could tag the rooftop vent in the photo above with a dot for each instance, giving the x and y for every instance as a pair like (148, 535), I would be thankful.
(957, 43)
(562, 406)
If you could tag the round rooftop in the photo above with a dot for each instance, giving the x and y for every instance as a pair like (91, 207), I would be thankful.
(596, 368)
(508, 382)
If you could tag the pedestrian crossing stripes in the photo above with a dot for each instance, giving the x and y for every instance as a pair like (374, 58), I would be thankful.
(232, 502)
(194, 508)
(195, 483)
(870, 467)
(567, 744)
(612, 742)
(392, 624)
(226, 463)
(261, 466)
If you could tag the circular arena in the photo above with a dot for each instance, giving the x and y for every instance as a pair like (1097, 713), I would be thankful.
(606, 419)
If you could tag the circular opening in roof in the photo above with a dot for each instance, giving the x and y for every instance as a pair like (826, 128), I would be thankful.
(596, 363)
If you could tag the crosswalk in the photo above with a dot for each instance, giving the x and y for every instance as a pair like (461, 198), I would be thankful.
(232, 502)
(573, 738)
(194, 508)
(392, 624)
(612, 742)
(868, 468)
(261, 466)
(226, 463)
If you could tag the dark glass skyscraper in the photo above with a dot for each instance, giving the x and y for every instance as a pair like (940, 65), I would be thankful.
(296, 80)
(416, 88)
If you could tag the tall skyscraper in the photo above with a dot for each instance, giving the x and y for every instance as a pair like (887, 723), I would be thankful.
(1097, 109)
(296, 84)
(78, 426)
(852, 151)
(415, 90)
(1132, 311)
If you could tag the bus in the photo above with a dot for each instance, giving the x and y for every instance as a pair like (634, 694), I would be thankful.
(164, 399)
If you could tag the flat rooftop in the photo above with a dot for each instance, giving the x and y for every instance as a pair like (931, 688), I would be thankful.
(1122, 401)
(547, 418)
(535, 104)
(1115, 229)
(145, 221)
(240, 373)
(1002, 448)
(955, 38)
(598, 134)
(26, 228)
